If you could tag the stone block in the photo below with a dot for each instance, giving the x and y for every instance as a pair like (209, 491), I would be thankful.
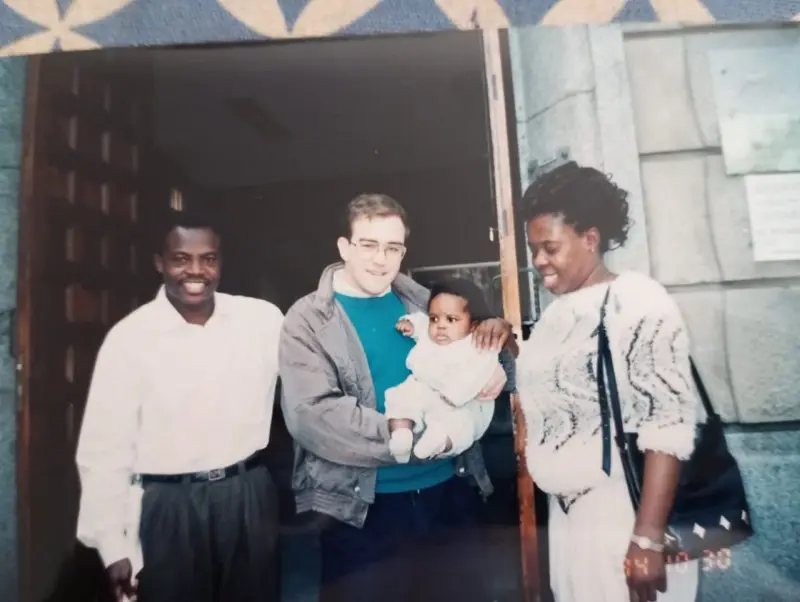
(569, 123)
(703, 313)
(730, 228)
(8, 373)
(9, 182)
(8, 495)
(12, 77)
(681, 247)
(8, 236)
(549, 64)
(10, 147)
(763, 333)
(701, 86)
(12, 92)
(617, 134)
(766, 567)
(671, 84)
(664, 113)
(8, 269)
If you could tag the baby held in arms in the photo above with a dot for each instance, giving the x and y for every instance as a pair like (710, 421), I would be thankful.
(447, 374)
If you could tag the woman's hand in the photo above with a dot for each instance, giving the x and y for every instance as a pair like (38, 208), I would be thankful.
(492, 389)
(646, 568)
(492, 335)
(646, 573)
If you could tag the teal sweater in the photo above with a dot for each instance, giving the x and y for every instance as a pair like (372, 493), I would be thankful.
(374, 319)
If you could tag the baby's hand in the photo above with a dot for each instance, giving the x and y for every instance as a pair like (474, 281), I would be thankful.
(405, 327)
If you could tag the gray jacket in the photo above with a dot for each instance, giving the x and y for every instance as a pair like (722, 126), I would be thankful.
(328, 402)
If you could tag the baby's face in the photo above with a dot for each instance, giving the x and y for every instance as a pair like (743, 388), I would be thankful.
(449, 319)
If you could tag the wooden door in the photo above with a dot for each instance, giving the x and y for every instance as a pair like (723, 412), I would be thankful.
(503, 181)
(84, 210)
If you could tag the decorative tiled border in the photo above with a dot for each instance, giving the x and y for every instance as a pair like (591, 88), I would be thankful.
(40, 26)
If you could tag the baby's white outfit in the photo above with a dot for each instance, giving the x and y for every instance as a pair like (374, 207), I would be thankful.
(444, 381)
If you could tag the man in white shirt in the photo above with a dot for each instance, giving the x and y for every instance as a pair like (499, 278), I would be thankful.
(179, 409)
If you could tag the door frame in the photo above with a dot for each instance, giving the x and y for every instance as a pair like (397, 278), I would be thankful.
(498, 86)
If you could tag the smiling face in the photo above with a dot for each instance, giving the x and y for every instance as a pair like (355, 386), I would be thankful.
(190, 266)
(449, 319)
(564, 258)
(373, 254)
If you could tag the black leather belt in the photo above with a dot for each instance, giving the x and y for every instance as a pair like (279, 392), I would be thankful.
(206, 476)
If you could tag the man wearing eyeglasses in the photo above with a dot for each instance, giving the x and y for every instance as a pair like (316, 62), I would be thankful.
(396, 526)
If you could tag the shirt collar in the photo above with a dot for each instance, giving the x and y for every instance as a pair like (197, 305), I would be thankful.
(341, 286)
(168, 317)
(408, 290)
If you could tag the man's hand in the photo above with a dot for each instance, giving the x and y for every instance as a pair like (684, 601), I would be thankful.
(120, 574)
(494, 387)
(405, 327)
(492, 335)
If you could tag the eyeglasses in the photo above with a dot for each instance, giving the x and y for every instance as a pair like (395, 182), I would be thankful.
(369, 248)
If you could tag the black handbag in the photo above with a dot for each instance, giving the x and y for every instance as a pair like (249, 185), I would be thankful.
(710, 512)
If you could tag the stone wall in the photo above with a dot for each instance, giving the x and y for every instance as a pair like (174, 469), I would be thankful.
(12, 88)
(638, 103)
(745, 315)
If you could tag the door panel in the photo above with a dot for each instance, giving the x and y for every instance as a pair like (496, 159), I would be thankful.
(82, 227)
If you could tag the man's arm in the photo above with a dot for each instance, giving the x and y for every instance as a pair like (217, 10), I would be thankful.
(106, 451)
(318, 415)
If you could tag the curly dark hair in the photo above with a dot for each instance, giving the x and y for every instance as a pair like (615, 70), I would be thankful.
(477, 305)
(585, 198)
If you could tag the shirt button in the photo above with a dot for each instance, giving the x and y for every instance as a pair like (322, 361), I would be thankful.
(461, 470)
(357, 489)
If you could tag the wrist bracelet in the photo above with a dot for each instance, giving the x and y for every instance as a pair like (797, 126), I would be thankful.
(646, 543)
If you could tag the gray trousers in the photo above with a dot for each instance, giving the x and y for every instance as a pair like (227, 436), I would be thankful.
(210, 541)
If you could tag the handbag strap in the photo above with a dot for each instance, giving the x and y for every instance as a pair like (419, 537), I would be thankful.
(605, 421)
(607, 387)
(609, 394)
(711, 414)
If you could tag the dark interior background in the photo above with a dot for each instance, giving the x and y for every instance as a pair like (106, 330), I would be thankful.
(274, 140)
(286, 136)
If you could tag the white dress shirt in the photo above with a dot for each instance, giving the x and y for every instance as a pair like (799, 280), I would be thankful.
(170, 397)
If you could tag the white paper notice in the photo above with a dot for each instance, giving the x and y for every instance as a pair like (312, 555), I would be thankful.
(774, 204)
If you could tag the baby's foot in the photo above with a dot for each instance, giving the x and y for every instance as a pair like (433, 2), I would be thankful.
(432, 442)
(400, 445)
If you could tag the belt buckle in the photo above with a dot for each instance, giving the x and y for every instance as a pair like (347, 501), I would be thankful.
(216, 474)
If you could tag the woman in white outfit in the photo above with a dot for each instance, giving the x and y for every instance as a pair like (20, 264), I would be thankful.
(600, 549)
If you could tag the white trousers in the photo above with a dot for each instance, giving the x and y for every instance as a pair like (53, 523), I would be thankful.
(588, 547)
